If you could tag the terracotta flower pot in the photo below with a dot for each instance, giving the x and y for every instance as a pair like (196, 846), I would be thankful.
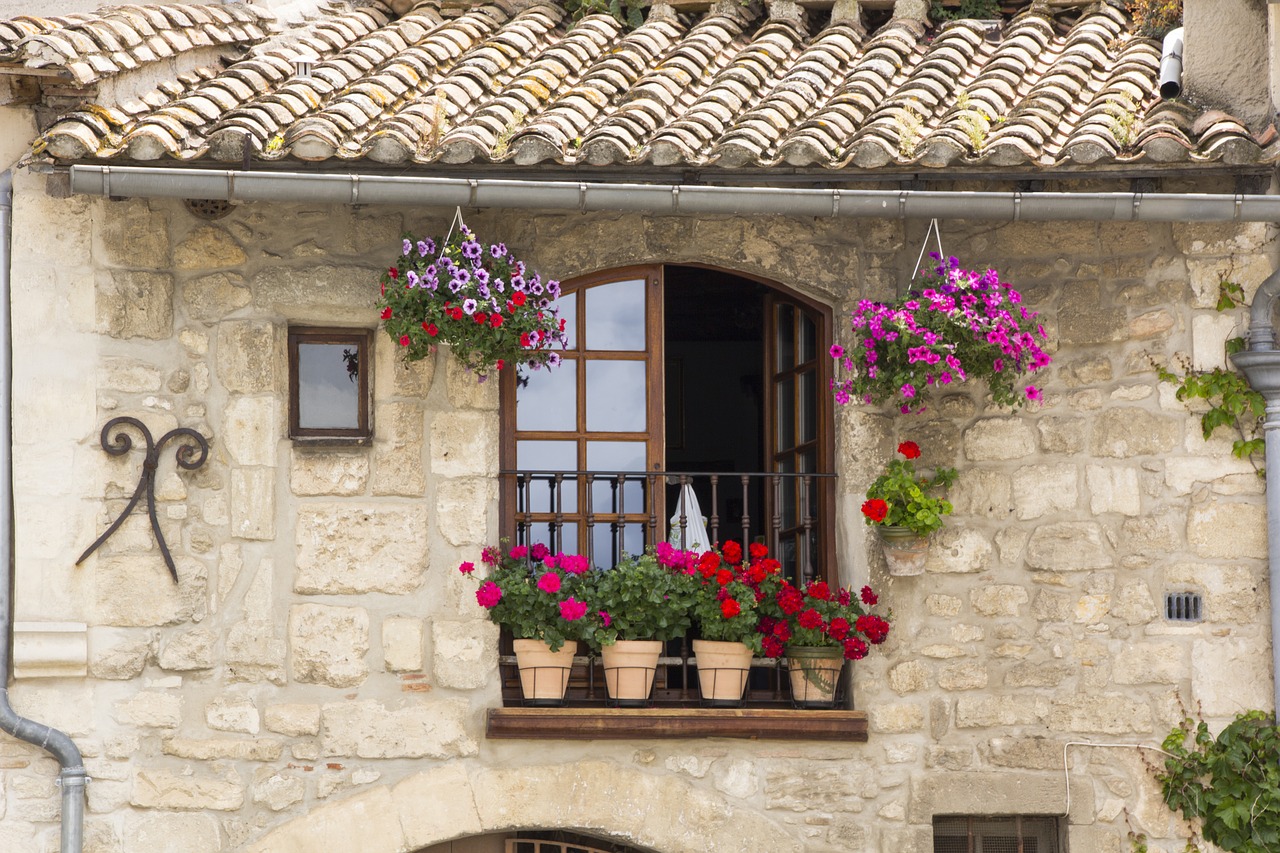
(629, 666)
(814, 673)
(905, 551)
(544, 674)
(723, 668)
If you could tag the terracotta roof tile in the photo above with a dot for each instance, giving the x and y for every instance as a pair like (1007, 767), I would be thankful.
(518, 82)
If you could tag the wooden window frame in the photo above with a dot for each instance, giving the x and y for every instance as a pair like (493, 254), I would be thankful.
(362, 339)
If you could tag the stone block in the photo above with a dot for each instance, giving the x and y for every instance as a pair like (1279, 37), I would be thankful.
(465, 652)
(1224, 475)
(1110, 713)
(348, 549)
(208, 247)
(1150, 663)
(1061, 435)
(794, 787)
(129, 375)
(1125, 432)
(1151, 324)
(247, 357)
(253, 503)
(463, 510)
(1230, 674)
(943, 605)
(251, 429)
(213, 297)
(135, 591)
(1134, 604)
(464, 444)
(1053, 606)
(909, 677)
(119, 654)
(980, 712)
(995, 439)
(1037, 674)
(327, 644)
(1082, 372)
(402, 638)
(315, 472)
(958, 550)
(1025, 753)
(188, 651)
(1088, 315)
(293, 719)
(1231, 593)
(223, 749)
(1228, 530)
(1209, 335)
(133, 235)
(353, 823)
(255, 652)
(161, 789)
(962, 675)
(395, 377)
(1001, 793)
(895, 719)
(135, 304)
(277, 790)
(232, 714)
(982, 493)
(1150, 535)
(397, 450)
(190, 833)
(1040, 490)
(999, 599)
(1113, 490)
(1068, 546)
(150, 709)
(417, 729)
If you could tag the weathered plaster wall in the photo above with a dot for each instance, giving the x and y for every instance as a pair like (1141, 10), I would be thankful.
(322, 671)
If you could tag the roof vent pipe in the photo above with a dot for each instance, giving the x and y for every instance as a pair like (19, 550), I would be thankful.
(1171, 65)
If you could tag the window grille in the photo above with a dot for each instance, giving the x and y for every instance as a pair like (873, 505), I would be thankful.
(975, 834)
(1182, 606)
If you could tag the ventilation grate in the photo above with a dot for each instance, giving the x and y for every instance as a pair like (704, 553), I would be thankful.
(208, 208)
(1182, 606)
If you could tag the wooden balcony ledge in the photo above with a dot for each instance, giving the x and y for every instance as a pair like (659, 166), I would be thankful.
(670, 723)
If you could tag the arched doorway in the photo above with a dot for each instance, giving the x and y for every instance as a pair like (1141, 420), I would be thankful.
(534, 841)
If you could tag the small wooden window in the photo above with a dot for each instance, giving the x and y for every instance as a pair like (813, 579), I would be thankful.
(979, 834)
(330, 377)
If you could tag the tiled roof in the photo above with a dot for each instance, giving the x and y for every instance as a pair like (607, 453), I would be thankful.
(89, 47)
(736, 87)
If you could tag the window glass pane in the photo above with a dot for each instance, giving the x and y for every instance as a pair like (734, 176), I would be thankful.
(567, 306)
(549, 399)
(615, 316)
(563, 538)
(609, 541)
(607, 495)
(808, 339)
(328, 386)
(616, 396)
(540, 493)
(808, 406)
(786, 340)
(786, 413)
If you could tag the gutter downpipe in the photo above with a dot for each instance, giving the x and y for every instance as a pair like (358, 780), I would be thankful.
(1260, 364)
(1170, 79)
(73, 777)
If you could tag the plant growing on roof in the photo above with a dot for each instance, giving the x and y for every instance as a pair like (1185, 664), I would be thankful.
(900, 497)
(479, 299)
(953, 325)
(536, 594)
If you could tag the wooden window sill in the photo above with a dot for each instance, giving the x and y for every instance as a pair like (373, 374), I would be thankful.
(671, 723)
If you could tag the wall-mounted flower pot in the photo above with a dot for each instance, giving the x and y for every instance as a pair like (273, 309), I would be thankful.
(905, 551)
(544, 674)
(815, 674)
(723, 668)
(629, 666)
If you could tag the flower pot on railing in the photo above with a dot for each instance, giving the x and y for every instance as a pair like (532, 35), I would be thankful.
(544, 674)
(814, 673)
(723, 668)
(905, 551)
(629, 666)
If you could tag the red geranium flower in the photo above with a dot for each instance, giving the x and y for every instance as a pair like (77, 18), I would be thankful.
(875, 509)
(839, 628)
(820, 591)
(730, 608)
(909, 449)
(393, 272)
(810, 618)
(758, 550)
(869, 598)
(724, 576)
(386, 313)
(773, 647)
(732, 552)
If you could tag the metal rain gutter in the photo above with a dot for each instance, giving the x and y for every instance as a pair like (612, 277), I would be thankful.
(73, 777)
(233, 185)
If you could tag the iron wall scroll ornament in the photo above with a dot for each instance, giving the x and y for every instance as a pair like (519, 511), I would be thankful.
(191, 454)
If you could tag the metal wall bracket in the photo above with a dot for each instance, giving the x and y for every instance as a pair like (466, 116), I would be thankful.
(190, 454)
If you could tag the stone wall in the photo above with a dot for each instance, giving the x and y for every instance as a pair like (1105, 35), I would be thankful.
(321, 672)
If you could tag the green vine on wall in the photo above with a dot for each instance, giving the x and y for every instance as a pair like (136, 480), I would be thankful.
(1230, 785)
(1232, 403)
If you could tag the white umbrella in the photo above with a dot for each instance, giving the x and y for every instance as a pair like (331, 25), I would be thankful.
(695, 525)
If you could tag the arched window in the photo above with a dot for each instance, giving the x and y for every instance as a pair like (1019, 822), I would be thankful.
(675, 376)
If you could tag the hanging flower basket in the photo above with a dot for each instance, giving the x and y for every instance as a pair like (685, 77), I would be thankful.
(954, 325)
(480, 300)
